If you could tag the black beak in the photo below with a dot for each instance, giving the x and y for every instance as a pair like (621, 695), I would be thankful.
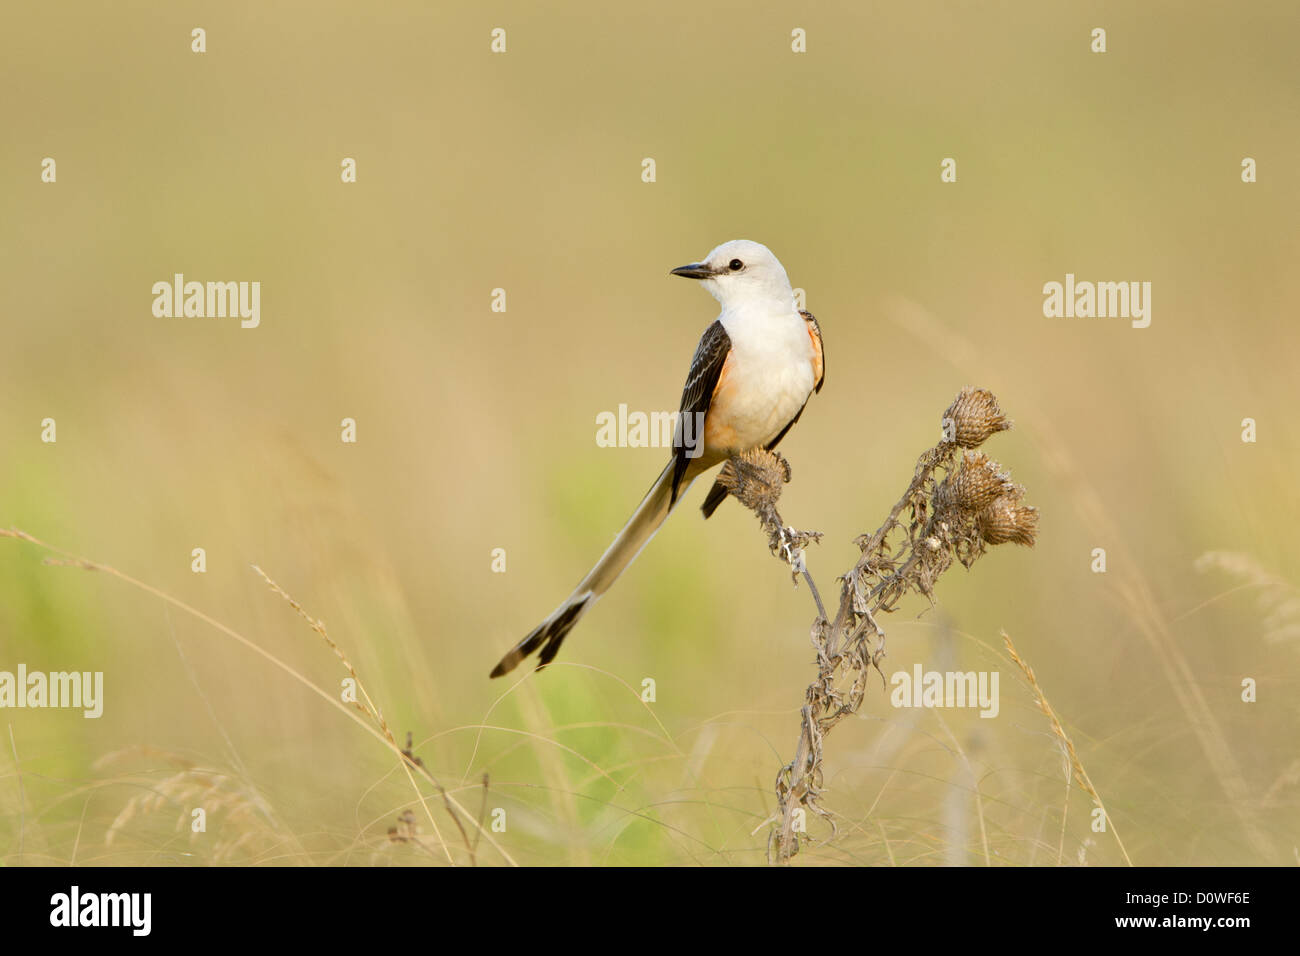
(696, 270)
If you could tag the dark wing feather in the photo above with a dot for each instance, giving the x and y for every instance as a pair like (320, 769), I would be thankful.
(710, 355)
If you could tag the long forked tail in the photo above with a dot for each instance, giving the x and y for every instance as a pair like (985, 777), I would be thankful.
(649, 515)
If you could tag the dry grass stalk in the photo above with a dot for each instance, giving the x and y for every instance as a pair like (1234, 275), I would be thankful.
(1076, 764)
(368, 707)
(409, 762)
(936, 521)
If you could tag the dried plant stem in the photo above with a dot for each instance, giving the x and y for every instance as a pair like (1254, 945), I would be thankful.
(934, 523)
(817, 598)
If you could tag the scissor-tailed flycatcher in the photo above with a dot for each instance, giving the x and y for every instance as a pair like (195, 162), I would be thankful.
(752, 374)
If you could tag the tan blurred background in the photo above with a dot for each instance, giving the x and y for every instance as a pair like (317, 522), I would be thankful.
(476, 430)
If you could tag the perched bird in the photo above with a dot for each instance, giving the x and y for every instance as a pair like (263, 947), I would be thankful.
(752, 374)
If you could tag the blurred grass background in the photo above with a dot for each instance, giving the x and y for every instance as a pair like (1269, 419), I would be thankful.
(476, 429)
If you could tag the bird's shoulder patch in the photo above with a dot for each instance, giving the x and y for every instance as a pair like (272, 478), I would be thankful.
(819, 356)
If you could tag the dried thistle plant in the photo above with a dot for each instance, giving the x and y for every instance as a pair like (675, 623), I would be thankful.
(958, 504)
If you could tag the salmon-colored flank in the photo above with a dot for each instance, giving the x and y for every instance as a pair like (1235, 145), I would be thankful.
(717, 434)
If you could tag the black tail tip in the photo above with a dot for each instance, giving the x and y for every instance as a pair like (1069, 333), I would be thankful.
(549, 635)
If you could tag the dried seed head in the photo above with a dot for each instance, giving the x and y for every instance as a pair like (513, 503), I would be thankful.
(975, 486)
(1006, 519)
(755, 478)
(972, 417)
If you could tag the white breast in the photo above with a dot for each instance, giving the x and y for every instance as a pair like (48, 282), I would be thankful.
(771, 374)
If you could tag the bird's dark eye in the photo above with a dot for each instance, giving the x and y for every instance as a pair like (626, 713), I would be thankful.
(735, 265)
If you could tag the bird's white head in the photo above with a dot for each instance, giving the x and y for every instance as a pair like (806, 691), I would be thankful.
(741, 274)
